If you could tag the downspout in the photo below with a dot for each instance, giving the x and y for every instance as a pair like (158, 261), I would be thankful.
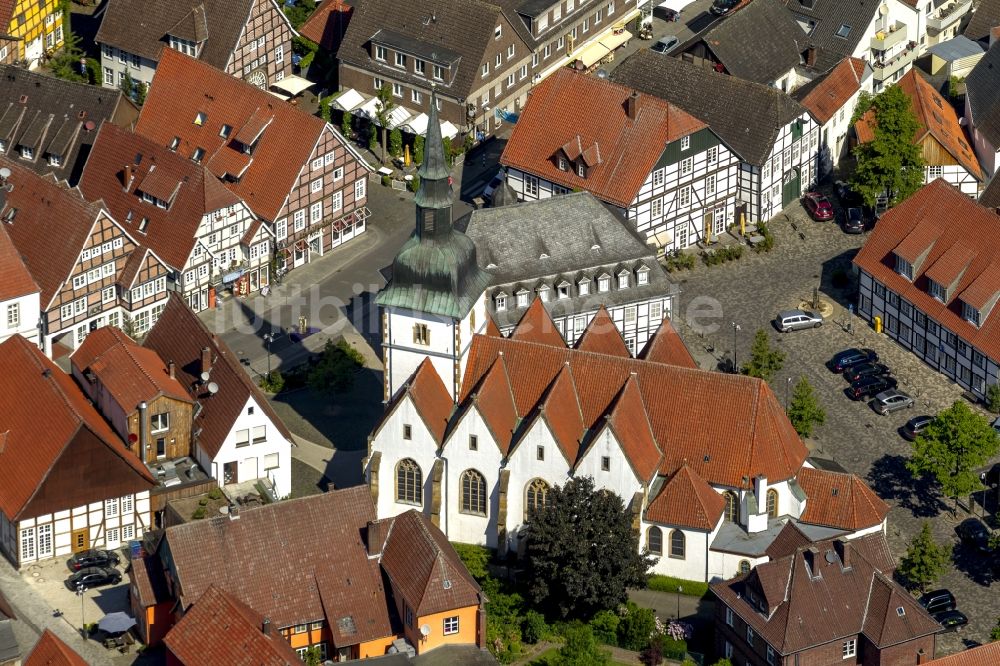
(143, 432)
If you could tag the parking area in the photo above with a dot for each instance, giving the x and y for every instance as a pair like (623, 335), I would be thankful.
(812, 255)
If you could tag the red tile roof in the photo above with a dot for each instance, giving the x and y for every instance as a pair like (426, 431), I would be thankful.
(326, 25)
(495, 404)
(666, 346)
(959, 225)
(788, 540)
(491, 327)
(587, 115)
(15, 279)
(179, 336)
(29, 452)
(112, 176)
(560, 408)
(833, 90)
(130, 373)
(686, 500)
(839, 500)
(601, 336)
(186, 87)
(983, 655)
(431, 399)
(219, 629)
(628, 421)
(50, 650)
(536, 325)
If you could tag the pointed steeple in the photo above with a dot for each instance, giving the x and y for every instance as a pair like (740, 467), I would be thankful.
(434, 195)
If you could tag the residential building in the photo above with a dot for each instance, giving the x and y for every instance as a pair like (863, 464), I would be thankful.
(532, 413)
(831, 98)
(945, 152)
(71, 485)
(575, 257)
(49, 124)
(955, 57)
(137, 393)
(206, 234)
(341, 581)
(982, 109)
(482, 57)
(980, 655)
(30, 30)
(327, 24)
(19, 293)
(931, 283)
(831, 602)
(984, 19)
(778, 145)
(90, 271)
(669, 174)
(297, 173)
(237, 435)
(10, 651)
(248, 39)
(435, 301)
(50, 650)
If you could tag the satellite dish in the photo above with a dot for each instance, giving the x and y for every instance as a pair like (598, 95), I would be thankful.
(213, 388)
(204, 376)
(602, 73)
(425, 630)
(5, 173)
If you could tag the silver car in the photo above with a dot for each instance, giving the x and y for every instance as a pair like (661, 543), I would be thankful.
(890, 401)
(793, 320)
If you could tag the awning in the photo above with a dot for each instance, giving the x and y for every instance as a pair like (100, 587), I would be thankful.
(416, 124)
(300, 246)
(292, 84)
(448, 130)
(232, 277)
(676, 5)
(368, 108)
(348, 100)
(592, 54)
(398, 116)
(614, 40)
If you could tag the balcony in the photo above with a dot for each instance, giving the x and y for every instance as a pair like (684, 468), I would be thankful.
(885, 69)
(948, 15)
(886, 39)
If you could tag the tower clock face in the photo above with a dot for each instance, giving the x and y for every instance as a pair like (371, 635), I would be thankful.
(257, 78)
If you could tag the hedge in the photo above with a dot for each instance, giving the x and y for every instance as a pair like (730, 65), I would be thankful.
(693, 588)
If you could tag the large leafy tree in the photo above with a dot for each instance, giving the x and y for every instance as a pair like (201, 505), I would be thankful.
(890, 163)
(924, 561)
(581, 553)
(952, 447)
(804, 411)
(765, 362)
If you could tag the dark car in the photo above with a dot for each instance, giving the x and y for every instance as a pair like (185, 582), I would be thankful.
(950, 619)
(723, 7)
(867, 387)
(856, 372)
(847, 196)
(854, 223)
(938, 601)
(93, 558)
(915, 426)
(93, 577)
(818, 206)
(493, 185)
(974, 534)
(843, 360)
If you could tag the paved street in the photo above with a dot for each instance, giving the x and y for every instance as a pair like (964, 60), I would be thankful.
(750, 292)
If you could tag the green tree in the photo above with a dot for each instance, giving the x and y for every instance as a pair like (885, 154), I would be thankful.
(861, 107)
(418, 150)
(804, 411)
(334, 372)
(347, 124)
(993, 398)
(581, 553)
(95, 77)
(764, 362)
(128, 327)
(950, 449)
(372, 140)
(723, 662)
(924, 561)
(604, 624)
(581, 649)
(313, 657)
(395, 142)
(67, 63)
(383, 109)
(448, 153)
(140, 93)
(995, 632)
(128, 86)
(890, 162)
(636, 626)
(298, 12)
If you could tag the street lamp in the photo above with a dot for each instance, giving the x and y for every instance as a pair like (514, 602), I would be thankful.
(80, 589)
(268, 339)
(736, 329)
(680, 590)
(788, 382)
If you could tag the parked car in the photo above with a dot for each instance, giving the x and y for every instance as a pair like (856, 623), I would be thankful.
(665, 44)
(818, 206)
(793, 320)
(847, 196)
(915, 426)
(974, 534)
(94, 577)
(951, 620)
(723, 7)
(843, 360)
(937, 601)
(492, 186)
(890, 401)
(871, 385)
(856, 372)
(93, 558)
(854, 222)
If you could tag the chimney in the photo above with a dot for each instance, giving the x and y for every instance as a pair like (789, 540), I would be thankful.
(921, 656)
(172, 369)
(206, 359)
(127, 177)
(632, 105)
(843, 549)
(811, 556)
(811, 56)
(143, 431)
(265, 626)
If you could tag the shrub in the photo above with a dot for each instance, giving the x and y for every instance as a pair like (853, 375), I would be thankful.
(203, 501)
(414, 184)
(475, 558)
(604, 624)
(95, 75)
(993, 398)
(215, 493)
(387, 180)
(768, 243)
(692, 588)
(199, 513)
(373, 141)
(635, 627)
(395, 142)
(534, 628)
(449, 153)
(346, 124)
(418, 150)
(679, 262)
(272, 383)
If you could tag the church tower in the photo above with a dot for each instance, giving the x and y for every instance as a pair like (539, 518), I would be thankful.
(435, 300)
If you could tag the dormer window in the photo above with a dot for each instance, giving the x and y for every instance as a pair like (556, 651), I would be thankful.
(623, 280)
(176, 142)
(200, 118)
(27, 153)
(400, 60)
(563, 164)
(55, 160)
(501, 302)
(225, 131)
(143, 224)
(604, 283)
(685, 142)
(904, 268)
(642, 275)
(584, 287)
(581, 170)
(970, 314)
(563, 290)
(522, 299)
(198, 154)
(936, 290)
(380, 53)
(544, 293)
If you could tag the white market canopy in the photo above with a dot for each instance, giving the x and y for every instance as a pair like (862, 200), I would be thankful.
(292, 84)
(348, 100)
(416, 124)
(676, 5)
(448, 130)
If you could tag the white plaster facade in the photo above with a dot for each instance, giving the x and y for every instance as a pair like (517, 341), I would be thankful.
(19, 316)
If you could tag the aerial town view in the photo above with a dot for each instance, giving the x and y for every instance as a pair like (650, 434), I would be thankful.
(481, 332)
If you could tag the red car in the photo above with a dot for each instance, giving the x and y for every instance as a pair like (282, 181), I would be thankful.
(818, 206)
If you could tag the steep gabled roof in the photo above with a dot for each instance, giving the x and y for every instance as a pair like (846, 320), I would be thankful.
(982, 655)
(629, 422)
(537, 326)
(686, 500)
(985, 17)
(580, 115)
(15, 279)
(495, 404)
(839, 500)
(430, 398)
(982, 87)
(601, 336)
(560, 409)
(50, 650)
(788, 540)
(827, 94)
(327, 24)
(666, 346)
(760, 43)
